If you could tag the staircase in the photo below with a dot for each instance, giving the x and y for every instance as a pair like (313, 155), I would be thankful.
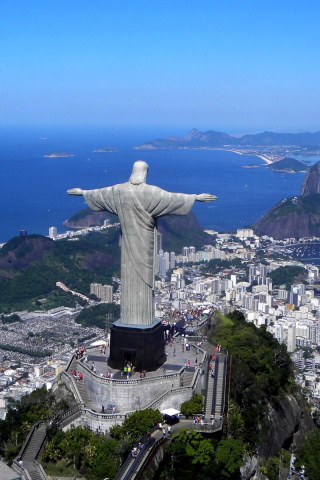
(187, 378)
(73, 365)
(209, 397)
(31, 452)
(214, 402)
(220, 388)
(84, 394)
(35, 442)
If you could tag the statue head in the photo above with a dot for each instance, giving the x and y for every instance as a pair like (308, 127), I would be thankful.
(139, 172)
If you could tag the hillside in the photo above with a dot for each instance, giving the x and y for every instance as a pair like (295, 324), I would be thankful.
(212, 139)
(311, 183)
(290, 165)
(295, 217)
(86, 218)
(30, 266)
(291, 218)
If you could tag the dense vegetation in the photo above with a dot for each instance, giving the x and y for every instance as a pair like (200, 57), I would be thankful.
(39, 405)
(287, 275)
(192, 455)
(216, 265)
(288, 165)
(82, 452)
(93, 456)
(96, 315)
(136, 424)
(261, 369)
(33, 353)
(192, 406)
(10, 318)
(32, 284)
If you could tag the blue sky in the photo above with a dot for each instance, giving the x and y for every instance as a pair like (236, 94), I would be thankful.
(233, 65)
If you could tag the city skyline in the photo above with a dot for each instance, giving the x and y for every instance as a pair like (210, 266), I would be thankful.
(236, 66)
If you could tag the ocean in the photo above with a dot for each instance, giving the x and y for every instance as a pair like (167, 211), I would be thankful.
(33, 188)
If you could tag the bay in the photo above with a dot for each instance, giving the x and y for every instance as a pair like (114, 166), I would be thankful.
(33, 188)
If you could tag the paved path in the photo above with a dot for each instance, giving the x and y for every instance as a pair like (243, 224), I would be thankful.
(7, 473)
(176, 358)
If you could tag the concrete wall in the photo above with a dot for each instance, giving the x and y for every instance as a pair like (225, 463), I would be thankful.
(127, 395)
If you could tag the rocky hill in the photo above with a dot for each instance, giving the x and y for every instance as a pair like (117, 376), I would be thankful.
(289, 165)
(311, 183)
(212, 139)
(295, 217)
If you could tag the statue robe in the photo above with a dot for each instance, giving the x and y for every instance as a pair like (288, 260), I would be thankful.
(138, 207)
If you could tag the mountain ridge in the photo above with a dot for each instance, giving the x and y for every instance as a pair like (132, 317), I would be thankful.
(212, 139)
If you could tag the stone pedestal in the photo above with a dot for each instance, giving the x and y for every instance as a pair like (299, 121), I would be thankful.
(142, 345)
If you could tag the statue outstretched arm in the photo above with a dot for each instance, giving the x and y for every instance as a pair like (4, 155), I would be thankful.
(205, 197)
(75, 191)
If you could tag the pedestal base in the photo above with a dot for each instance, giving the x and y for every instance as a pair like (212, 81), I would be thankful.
(140, 344)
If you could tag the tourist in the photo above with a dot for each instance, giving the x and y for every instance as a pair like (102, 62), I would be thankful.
(102, 409)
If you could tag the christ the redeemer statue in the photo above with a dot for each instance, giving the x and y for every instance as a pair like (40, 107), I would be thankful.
(138, 206)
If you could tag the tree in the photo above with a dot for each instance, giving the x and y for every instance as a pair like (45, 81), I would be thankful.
(192, 406)
(137, 424)
(229, 455)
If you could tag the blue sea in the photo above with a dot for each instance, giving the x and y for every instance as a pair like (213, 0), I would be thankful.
(33, 188)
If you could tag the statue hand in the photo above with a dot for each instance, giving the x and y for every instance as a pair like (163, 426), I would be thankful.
(75, 191)
(205, 197)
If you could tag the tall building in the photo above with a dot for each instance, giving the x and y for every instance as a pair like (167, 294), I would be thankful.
(159, 241)
(53, 233)
(23, 233)
(167, 258)
(106, 293)
(172, 260)
(291, 341)
(103, 292)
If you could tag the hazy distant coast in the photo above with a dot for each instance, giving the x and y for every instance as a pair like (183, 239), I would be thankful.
(269, 146)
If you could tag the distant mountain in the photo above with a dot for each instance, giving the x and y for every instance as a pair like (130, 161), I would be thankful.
(295, 217)
(212, 139)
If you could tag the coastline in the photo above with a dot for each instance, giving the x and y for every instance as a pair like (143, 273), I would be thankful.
(265, 159)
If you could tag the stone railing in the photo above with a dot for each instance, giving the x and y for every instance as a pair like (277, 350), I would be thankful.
(132, 381)
(70, 383)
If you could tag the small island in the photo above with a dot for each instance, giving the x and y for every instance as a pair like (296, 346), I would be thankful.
(105, 150)
(58, 155)
(289, 165)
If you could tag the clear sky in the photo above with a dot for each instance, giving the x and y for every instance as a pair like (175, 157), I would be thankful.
(233, 65)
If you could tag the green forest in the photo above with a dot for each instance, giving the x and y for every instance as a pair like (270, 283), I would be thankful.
(28, 278)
